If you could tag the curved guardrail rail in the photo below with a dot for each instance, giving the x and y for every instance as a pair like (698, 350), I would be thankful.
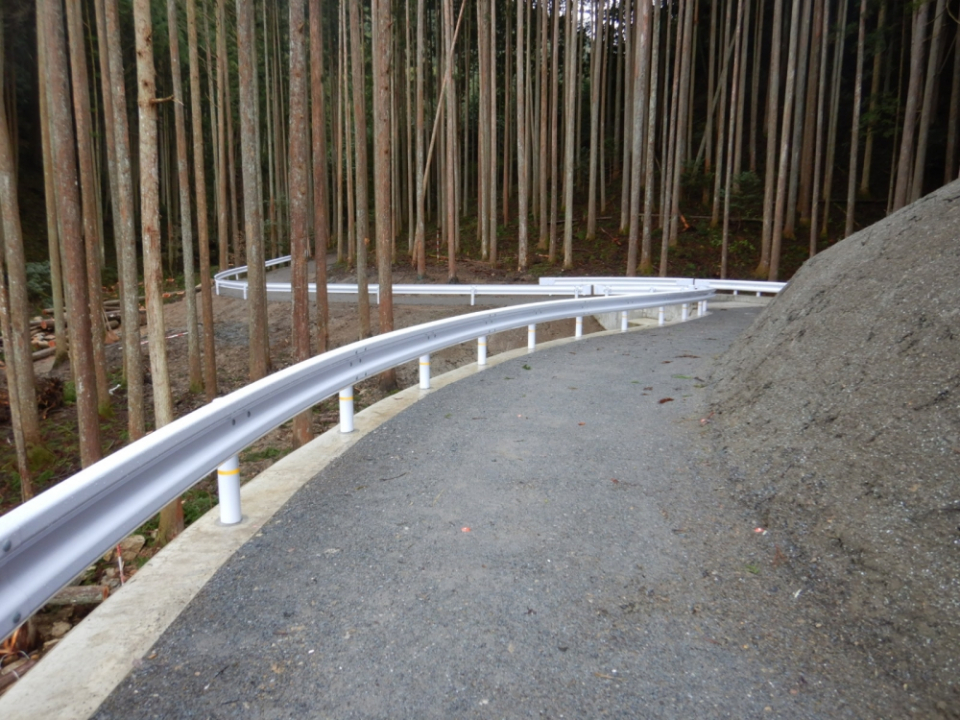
(49, 540)
(229, 282)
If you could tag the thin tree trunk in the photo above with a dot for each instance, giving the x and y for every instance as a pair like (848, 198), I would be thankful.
(818, 139)
(629, 67)
(950, 165)
(926, 111)
(71, 231)
(554, 132)
(800, 95)
(124, 227)
(711, 84)
(200, 188)
(646, 246)
(596, 52)
(382, 161)
(450, 181)
(874, 99)
(14, 306)
(755, 85)
(568, 132)
(773, 95)
(321, 202)
(833, 117)
(88, 196)
(736, 122)
(818, 43)
(640, 74)
(785, 137)
(855, 130)
(543, 174)
(522, 212)
(53, 233)
(360, 183)
(252, 192)
(171, 516)
(223, 206)
(186, 225)
(299, 213)
(722, 119)
(419, 238)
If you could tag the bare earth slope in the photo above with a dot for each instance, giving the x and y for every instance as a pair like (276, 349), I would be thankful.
(838, 413)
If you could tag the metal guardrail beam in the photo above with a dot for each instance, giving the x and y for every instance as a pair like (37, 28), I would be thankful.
(51, 539)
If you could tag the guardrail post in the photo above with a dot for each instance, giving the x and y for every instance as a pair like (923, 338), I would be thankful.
(228, 490)
(473, 295)
(424, 372)
(660, 316)
(346, 409)
(579, 331)
(623, 321)
(684, 312)
(531, 338)
(482, 350)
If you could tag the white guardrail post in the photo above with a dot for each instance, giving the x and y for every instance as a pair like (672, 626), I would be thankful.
(578, 332)
(623, 321)
(346, 409)
(424, 372)
(482, 350)
(228, 490)
(531, 338)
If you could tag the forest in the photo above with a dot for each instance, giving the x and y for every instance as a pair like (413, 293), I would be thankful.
(142, 140)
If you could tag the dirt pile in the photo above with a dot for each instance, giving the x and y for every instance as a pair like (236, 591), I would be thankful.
(838, 413)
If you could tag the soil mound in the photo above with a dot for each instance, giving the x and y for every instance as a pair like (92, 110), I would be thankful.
(838, 413)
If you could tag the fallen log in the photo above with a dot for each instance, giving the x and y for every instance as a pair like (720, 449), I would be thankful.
(80, 595)
(9, 677)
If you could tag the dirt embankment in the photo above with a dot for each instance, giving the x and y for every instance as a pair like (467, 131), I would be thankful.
(838, 413)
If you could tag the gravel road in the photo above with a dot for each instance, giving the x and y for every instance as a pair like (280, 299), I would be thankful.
(551, 537)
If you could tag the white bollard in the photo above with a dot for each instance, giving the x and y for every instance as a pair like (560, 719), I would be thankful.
(482, 350)
(346, 409)
(623, 321)
(531, 338)
(579, 331)
(424, 372)
(660, 316)
(684, 312)
(228, 489)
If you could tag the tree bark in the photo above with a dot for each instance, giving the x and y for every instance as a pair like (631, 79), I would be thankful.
(71, 229)
(171, 516)
(646, 245)
(299, 213)
(125, 228)
(855, 129)
(522, 211)
(569, 122)
(186, 224)
(926, 111)
(640, 74)
(878, 46)
(14, 316)
(382, 161)
(88, 197)
(773, 95)
(360, 182)
(321, 201)
(785, 137)
(252, 192)
(200, 189)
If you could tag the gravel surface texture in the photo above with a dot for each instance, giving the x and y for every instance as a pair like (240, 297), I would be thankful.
(552, 537)
(838, 414)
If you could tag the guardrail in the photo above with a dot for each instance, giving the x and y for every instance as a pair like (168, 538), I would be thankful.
(51, 539)
(228, 282)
